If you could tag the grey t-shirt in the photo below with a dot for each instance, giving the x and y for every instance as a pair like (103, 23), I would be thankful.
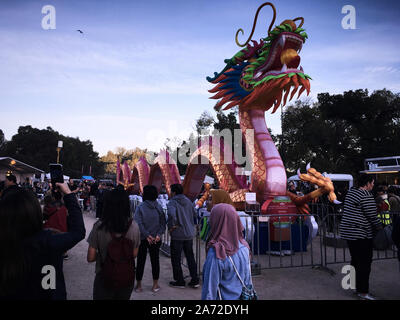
(99, 240)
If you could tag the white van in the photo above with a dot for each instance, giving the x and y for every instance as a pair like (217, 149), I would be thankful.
(341, 182)
(347, 179)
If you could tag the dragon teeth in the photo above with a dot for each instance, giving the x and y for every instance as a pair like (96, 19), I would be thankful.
(282, 41)
(301, 47)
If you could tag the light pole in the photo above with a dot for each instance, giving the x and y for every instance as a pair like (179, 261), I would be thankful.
(59, 147)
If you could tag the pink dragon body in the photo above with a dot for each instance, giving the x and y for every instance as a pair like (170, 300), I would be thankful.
(257, 78)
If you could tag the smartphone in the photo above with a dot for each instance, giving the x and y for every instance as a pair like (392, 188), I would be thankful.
(56, 174)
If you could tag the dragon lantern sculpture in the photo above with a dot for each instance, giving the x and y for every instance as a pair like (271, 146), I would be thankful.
(256, 79)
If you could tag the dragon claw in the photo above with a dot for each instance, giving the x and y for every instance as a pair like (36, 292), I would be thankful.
(321, 180)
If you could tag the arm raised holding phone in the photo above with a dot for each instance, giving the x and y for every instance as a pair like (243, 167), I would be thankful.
(76, 227)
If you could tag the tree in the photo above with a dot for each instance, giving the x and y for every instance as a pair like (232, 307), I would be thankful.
(2, 140)
(307, 137)
(130, 156)
(204, 122)
(374, 119)
(338, 132)
(38, 148)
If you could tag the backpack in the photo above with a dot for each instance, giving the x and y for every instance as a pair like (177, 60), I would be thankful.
(118, 269)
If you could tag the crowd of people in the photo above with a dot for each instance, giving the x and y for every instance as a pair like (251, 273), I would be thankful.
(27, 248)
(33, 236)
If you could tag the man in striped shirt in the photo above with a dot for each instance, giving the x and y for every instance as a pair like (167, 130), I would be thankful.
(359, 225)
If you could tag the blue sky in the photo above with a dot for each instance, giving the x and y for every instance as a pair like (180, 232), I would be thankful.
(137, 74)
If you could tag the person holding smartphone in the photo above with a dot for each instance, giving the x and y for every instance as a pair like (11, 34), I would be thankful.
(28, 253)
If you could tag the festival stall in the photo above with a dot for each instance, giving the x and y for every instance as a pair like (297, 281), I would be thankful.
(18, 168)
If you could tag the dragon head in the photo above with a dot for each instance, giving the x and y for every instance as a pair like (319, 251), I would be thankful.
(261, 74)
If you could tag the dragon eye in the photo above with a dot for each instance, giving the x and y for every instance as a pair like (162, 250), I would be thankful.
(259, 51)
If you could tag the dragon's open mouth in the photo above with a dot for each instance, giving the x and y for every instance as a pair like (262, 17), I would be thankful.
(264, 73)
(284, 56)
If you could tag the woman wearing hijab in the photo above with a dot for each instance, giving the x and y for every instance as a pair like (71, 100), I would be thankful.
(221, 196)
(226, 251)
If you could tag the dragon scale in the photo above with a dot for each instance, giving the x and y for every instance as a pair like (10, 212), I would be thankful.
(262, 76)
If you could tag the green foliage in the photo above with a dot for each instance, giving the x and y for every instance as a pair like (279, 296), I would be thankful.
(2, 140)
(227, 121)
(204, 122)
(130, 156)
(338, 132)
(38, 148)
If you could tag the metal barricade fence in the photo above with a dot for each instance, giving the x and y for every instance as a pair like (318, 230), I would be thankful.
(265, 252)
(310, 240)
(166, 241)
(134, 203)
(336, 249)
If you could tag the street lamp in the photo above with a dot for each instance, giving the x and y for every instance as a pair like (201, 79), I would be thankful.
(59, 147)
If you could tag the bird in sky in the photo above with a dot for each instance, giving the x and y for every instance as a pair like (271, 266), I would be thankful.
(80, 31)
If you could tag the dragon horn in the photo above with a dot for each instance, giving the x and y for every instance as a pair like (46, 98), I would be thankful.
(299, 18)
(308, 166)
(254, 24)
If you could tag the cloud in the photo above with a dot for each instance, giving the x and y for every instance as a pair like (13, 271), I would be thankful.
(381, 70)
(87, 65)
(115, 84)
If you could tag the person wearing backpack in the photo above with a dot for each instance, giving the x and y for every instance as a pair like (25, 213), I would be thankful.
(151, 219)
(114, 244)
